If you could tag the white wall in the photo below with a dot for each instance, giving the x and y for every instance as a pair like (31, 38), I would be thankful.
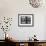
(11, 8)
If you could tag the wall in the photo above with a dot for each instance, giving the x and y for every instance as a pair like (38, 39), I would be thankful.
(11, 8)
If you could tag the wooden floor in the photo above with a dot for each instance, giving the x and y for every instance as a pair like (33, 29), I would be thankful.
(31, 43)
(4, 43)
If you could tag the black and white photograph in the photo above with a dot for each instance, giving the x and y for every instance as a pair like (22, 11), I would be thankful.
(25, 20)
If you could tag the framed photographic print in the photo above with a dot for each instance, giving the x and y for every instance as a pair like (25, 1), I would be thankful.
(25, 20)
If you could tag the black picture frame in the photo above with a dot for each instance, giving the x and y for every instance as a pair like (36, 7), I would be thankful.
(25, 20)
